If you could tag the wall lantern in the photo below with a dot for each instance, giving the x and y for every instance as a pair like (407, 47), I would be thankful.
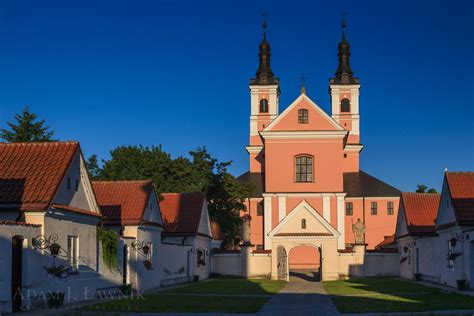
(142, 247)
(453, 241)
(405, 249)
(42, 242)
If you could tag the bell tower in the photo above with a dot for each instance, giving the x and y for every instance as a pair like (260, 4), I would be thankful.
(264, 98)
(344, 92)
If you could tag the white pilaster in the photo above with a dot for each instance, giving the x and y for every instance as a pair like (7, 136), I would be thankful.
(327, 207)
(341, 221)
(281, 207)
(267, 221)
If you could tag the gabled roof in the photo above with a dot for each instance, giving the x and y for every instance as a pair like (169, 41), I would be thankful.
(31, 173)
(123, 202)
(326, 229)
(388, 242)
(216, 230)
(361, 184)
(182, 213)
(461, 187)
(304, 98)
(420, 210)
(257, 179)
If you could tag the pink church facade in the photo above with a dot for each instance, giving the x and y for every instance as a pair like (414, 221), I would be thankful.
(304, 155)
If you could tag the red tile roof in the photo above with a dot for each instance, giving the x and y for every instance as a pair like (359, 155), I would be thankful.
(123, 202)
(461, 187)
(182, 212)
(216, 230)
(420, 210)
(13, 223)
(388, 241)
(263, 251)
(31, 173)
(75, 209)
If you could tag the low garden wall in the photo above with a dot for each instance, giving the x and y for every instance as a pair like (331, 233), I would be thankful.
(362, 263)
(243, 264)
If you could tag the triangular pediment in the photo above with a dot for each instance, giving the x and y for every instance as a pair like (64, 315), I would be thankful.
(318, 119)
(152, 209)
(401, 229)
(292, 224)
(445, 210)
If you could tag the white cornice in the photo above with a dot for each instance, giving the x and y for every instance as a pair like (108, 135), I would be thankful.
(254, 149)
(304, 194)
(303, 134)
(353, 147)
(344, 86)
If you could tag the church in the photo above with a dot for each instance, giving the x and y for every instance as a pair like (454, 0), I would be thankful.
(311, 202)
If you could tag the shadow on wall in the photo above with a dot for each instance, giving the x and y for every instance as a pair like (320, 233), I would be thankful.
(39, 274)
(9, 206)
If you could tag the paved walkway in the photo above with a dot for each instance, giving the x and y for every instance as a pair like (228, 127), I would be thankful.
(303, 295)
(445, 288)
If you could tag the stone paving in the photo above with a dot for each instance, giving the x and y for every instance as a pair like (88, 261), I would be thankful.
(302, 296)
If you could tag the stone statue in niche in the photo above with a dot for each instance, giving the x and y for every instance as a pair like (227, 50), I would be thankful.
(359, 232)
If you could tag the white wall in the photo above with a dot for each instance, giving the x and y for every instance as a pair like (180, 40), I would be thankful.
(147, 279)
(29, 260)
(83, 196)
(233, 264)
(461, 268)
(382, 264)
(175, 267)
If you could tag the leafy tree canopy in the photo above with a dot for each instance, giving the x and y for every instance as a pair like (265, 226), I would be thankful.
(27, 129)
(421, 188)
(198, 173)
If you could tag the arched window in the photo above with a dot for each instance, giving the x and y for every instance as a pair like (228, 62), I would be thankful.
(303, 223)
(345, 105)
(263, 106)
(302, 116)
(304, 169)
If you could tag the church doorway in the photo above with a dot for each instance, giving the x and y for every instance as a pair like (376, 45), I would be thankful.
(305, 263)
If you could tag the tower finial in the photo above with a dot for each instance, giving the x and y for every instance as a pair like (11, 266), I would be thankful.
(303, 86)
(264, 75)
(264, 14)
(343, 24)
(344, 74)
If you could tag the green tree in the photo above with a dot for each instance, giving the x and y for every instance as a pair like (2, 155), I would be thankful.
(27, 129)
(92, 166)
(421, 188)
(199, 173)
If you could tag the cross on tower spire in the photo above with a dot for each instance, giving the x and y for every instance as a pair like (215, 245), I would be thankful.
(264, 74)
(303, 86)
(344, 74)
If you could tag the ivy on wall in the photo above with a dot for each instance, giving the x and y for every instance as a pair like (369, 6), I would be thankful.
(109, 240)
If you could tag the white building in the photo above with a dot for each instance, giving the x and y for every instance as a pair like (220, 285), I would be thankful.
(186, 238)
(435, 234)
(46, 201)
(131, 209)
(415, 234)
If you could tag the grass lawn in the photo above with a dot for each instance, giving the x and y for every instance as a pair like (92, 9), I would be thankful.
(392, 295)
(233, 286)
(185, 299)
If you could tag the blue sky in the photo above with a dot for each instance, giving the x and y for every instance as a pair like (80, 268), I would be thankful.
(176, 73)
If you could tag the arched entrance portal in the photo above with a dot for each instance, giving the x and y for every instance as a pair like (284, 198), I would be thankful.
(305, 262)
